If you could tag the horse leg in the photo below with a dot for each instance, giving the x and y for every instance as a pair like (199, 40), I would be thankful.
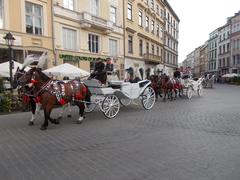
(49, 110)
(165, 94)
(69, 110)
(45, 123)
(33, 109)
(171, 93)
(81, 112)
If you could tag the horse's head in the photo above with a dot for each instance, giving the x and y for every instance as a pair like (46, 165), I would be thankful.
(19, 73)
(33, 77)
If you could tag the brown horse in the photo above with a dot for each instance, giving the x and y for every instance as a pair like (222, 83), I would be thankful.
(156, 85)
(52, 93)
(168, 87)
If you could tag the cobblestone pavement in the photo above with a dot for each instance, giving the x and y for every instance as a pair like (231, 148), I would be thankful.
(196, 139)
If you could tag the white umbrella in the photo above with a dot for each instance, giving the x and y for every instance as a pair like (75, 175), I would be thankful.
(66, 70)
(4, 68)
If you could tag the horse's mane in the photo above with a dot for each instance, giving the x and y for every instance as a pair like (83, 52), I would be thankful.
(42, 75)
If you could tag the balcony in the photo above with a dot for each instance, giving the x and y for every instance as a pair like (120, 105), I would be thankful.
(89, 21)
(152, 58)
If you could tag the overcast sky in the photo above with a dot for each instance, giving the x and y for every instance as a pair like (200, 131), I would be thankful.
(198, 18)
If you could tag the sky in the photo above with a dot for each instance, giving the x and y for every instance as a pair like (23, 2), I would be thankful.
(198, 18)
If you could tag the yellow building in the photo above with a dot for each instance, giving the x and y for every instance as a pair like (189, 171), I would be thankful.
(144, 27)
(87, 29)
(30, 23)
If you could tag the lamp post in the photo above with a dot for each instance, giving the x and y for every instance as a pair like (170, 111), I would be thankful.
(9, 41)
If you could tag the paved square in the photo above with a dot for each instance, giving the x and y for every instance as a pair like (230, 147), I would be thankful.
(196, 139)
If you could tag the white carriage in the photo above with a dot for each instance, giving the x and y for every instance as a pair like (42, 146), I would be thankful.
(193, 85)
(108, 98)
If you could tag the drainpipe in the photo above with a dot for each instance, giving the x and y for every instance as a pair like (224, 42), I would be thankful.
(53, 34)
(124, 51)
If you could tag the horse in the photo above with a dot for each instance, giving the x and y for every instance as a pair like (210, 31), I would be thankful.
(34, 102)
(178, 87)
(168, 87)
(53, 93)
(156, 85)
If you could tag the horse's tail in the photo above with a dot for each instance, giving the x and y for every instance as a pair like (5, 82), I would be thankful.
(88, 95)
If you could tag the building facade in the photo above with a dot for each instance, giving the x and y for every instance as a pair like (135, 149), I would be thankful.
(30, 22)
(213, 52)
(235, 43)
(224, 49)
(188, 63)
(88, 29)
(144, 28)
(171, 34)
(203, 59)
(197, 57)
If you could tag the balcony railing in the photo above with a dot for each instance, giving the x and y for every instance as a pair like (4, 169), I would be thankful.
(88, 20)
(152, 58)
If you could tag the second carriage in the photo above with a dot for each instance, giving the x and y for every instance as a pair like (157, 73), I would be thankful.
(109, 97)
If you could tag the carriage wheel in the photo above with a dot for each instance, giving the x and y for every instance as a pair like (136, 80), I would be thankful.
(200, 90)
(110, 106)
(189, 92)
(125, 102)
(89, 107)
(148, 98)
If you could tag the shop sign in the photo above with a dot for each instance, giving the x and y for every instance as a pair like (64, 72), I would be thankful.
(67, 57)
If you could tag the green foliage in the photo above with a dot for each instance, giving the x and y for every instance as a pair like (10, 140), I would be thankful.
(5, 102)
(1, 85)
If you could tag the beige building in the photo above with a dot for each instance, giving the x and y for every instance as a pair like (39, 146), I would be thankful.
(144, 26)
(170, 39)
(87, 29)
(203, 58)
(30, 22)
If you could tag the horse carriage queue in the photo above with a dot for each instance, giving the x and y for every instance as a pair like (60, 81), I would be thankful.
(95, 90)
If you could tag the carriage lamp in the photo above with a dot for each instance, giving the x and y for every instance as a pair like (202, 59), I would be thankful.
(9, 41)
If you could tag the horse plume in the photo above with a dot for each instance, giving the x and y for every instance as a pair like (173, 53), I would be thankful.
(42, 59)
(28, 60)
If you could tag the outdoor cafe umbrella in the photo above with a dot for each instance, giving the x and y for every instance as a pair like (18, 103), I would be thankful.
(66, 70)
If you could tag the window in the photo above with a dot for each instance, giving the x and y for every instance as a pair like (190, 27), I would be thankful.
(95, 7)
(34, 18)
(93, 43)
(69, 39)
(68, 4)
(130, 44)
(147, 23)
(140, 47)
(152, 26)
(157, 9)
(129, 11)
(158, 50)
(113, 50)
(147, 48)
(157, 29)
(153, 48)
(152, 4)
(1, 14)
(113, 14)
(140, 18)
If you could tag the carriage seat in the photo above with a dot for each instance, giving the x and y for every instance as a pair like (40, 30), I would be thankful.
(195, 79)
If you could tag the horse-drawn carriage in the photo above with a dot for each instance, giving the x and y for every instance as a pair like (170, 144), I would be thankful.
(192, 85)
(109, 97)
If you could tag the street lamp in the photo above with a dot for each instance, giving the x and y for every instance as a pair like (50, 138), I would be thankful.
(9, 41)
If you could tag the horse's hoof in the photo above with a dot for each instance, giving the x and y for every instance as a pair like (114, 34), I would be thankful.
(80, 120)
(56, 121)
(43, 128)
(69, 116)
(30, 123)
